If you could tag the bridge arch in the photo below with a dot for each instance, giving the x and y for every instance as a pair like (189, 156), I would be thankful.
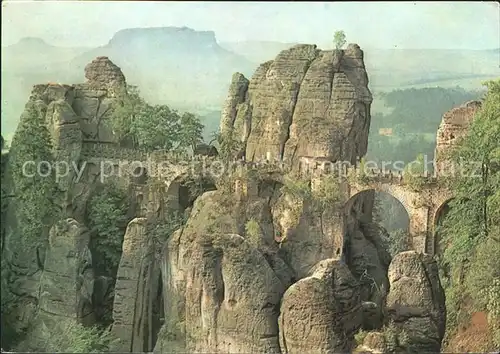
(185, 188)
(414, 202)
(397, 232)
(440, 213)
(397, 192)
(269, 186)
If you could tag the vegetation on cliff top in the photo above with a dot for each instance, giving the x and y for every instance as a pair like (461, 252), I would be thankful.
(470, 231)
(153, 127)
(32, 177)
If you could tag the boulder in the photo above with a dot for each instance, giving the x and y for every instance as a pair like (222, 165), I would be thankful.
(322, 312)
(416, 301)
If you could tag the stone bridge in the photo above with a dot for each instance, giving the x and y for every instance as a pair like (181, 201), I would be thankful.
(423, 204)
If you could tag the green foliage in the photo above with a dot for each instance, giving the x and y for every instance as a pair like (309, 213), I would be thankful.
(32, 203)
(419, 110)
(253, 232)
(483, 271)
(360, 336)
(399, 241)
(413, 173)
(297, 187)
(414, 116)
(154, 127)
(127, 109)
(107, 220)
(339, 39)
(476, 188)
(324, 196)
(69, 336)
(34, 191)
(327, 193)
(229, 146)
(164, 228)
(191, 133)
(470, 233)
(359, 175)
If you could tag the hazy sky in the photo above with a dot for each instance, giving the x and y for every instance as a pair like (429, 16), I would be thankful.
(454, 25)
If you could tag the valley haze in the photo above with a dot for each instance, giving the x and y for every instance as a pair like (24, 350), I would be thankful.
(183, 54)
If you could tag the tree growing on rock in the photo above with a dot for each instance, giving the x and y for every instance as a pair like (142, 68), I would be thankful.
(153, 127)
(126, 111)
(339, 39)
(191, 131)
(157, 128)
(33, 178)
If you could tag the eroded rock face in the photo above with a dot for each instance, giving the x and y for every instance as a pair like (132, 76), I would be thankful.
(66, 284)
(103, 73)
(213, 302)
(135, 308)
(416, 301)
(314, 104)
(67, 270)
(74, 115)
(304, 93)
(321, 313)
(454, 125)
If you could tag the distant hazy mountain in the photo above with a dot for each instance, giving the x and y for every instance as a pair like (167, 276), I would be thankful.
(35, 54)
(178, 66)
(172, 65)
(190, 70)
(28, 62)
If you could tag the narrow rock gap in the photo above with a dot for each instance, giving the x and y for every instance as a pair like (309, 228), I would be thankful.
(295, 98)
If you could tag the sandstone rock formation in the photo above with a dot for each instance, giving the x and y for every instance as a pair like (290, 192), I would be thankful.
(306, 102)
(258, 271)
(135, 308)
(321, 312)
(415, 308)
(212, 301)
(300, 80)
(416, 302)
(75, 116)
(102, 73)
(453, 126)
(67, 281)
(66, 285)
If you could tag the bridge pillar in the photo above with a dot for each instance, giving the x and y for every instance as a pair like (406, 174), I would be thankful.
(173, 200)
(419, 222)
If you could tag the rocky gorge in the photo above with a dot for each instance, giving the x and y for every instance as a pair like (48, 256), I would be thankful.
(302, 280)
